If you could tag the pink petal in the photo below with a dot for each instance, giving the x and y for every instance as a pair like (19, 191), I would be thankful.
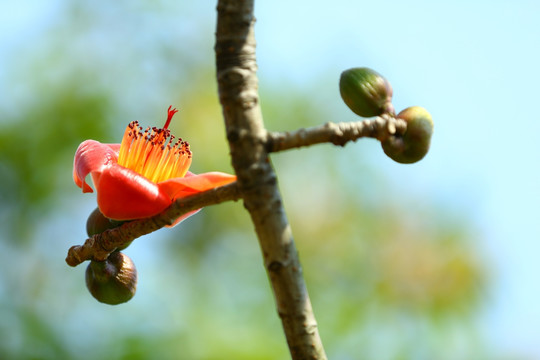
(92, 156)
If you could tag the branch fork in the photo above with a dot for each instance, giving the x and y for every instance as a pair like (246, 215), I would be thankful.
(99, 246)
(250, 146)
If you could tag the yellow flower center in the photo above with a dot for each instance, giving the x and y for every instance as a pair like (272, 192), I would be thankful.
(154, 153)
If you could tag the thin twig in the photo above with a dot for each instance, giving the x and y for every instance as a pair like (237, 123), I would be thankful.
(99, 246)
(336, 133)
(237, 82)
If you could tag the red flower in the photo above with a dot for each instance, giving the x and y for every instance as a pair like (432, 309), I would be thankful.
(143, 175)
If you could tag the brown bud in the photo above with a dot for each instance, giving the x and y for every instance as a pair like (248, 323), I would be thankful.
(98, 223)
(414, 144)
(113, 281)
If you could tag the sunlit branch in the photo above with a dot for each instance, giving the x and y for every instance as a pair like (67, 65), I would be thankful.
(336, 133)
(237, 84)
(99, 246)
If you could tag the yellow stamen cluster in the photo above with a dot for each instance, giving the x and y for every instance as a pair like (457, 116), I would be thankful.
(153, 153)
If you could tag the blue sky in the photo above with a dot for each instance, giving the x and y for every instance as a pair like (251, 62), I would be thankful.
(473, 64)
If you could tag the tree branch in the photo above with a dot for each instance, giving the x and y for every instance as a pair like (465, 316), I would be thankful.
(99, 246)
(237, 82)
(336, 133)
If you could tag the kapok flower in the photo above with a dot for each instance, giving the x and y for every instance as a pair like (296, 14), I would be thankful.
(143, 175)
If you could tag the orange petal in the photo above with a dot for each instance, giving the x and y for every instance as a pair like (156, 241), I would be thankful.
(122, 194)
(92, 156)
(192, 184)
(183, 217)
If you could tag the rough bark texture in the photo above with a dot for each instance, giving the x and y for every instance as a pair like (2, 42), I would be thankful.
(336, 133)
(237, 81)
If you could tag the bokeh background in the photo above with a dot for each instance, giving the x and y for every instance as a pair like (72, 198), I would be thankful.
(436, 260)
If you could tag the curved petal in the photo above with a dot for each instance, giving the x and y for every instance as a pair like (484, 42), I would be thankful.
(114, 147)
(123, 194)
(192, 183)
(92, 156)
(183, 217)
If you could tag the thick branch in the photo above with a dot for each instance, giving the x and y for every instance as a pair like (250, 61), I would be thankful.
(99, 246)
(236, 66)
(337, 134)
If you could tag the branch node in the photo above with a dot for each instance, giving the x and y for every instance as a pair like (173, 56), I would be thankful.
(275, 266)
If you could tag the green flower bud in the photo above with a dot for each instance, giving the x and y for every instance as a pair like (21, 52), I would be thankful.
(112, 281)
(413, 145)
(366, 92)
(98, 223)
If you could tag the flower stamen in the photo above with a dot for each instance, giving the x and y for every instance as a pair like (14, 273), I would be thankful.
(153, 153)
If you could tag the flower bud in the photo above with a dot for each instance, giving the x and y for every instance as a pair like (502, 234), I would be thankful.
(366, 92)
(98, 223)
(413, 145)
(112, 281)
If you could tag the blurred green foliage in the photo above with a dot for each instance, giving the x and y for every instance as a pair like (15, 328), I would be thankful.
(36, 148)
(388, 279)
